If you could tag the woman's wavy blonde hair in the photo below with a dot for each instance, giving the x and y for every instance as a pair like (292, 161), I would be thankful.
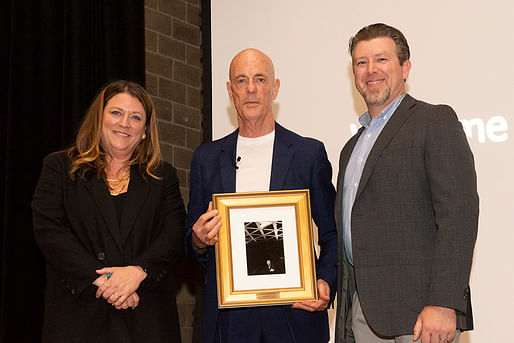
(87, 154)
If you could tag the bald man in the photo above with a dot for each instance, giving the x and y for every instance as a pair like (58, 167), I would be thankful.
(261, 155)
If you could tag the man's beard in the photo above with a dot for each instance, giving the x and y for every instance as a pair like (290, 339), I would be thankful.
(375, 97)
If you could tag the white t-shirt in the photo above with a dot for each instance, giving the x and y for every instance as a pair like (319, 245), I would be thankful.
(253, 160)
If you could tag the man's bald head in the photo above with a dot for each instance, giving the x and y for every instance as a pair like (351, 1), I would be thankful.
(248, 56)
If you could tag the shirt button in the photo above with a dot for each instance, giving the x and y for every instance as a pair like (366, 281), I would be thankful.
(355, 184)
(101, 256)
(369, 135)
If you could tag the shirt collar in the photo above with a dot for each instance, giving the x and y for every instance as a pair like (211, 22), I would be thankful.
(365, 119)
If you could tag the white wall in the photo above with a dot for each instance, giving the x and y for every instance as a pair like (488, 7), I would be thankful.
(462, 55)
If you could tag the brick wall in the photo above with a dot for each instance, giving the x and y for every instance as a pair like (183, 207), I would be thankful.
(173, 77)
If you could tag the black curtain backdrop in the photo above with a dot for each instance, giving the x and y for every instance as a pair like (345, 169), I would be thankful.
(55, 57)
(206, 71)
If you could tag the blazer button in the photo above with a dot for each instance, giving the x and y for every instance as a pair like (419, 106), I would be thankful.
(73, 291)
(101, 256)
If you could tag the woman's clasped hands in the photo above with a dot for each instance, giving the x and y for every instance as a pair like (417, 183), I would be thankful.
(118, 285)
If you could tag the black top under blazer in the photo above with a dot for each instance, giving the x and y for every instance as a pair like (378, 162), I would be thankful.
(78, 231)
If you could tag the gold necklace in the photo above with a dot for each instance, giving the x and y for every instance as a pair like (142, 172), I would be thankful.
(115, 192)
(120, 179)
(116, 186)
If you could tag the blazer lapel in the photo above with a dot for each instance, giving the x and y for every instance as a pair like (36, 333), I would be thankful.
(401, 114)
(227, 163)
(282, 155)
(136, 196)
(100, 193)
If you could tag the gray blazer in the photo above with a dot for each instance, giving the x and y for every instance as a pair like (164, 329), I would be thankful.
(414, 222)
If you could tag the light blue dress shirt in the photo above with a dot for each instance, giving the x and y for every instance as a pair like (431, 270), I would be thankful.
(353, 173)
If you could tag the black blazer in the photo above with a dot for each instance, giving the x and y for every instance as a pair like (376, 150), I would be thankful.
(76, 227)
(414, 222)
(298, 163)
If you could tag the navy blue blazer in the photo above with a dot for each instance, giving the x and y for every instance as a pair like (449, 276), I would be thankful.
(298, 163)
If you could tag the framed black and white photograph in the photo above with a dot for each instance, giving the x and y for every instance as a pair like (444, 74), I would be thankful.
(265, 251)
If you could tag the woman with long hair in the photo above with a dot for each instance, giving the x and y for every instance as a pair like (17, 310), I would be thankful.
(109, 219)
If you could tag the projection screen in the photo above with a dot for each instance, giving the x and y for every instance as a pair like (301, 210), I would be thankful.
(461, 55)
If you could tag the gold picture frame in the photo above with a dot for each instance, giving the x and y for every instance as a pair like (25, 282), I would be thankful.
(265, 249)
